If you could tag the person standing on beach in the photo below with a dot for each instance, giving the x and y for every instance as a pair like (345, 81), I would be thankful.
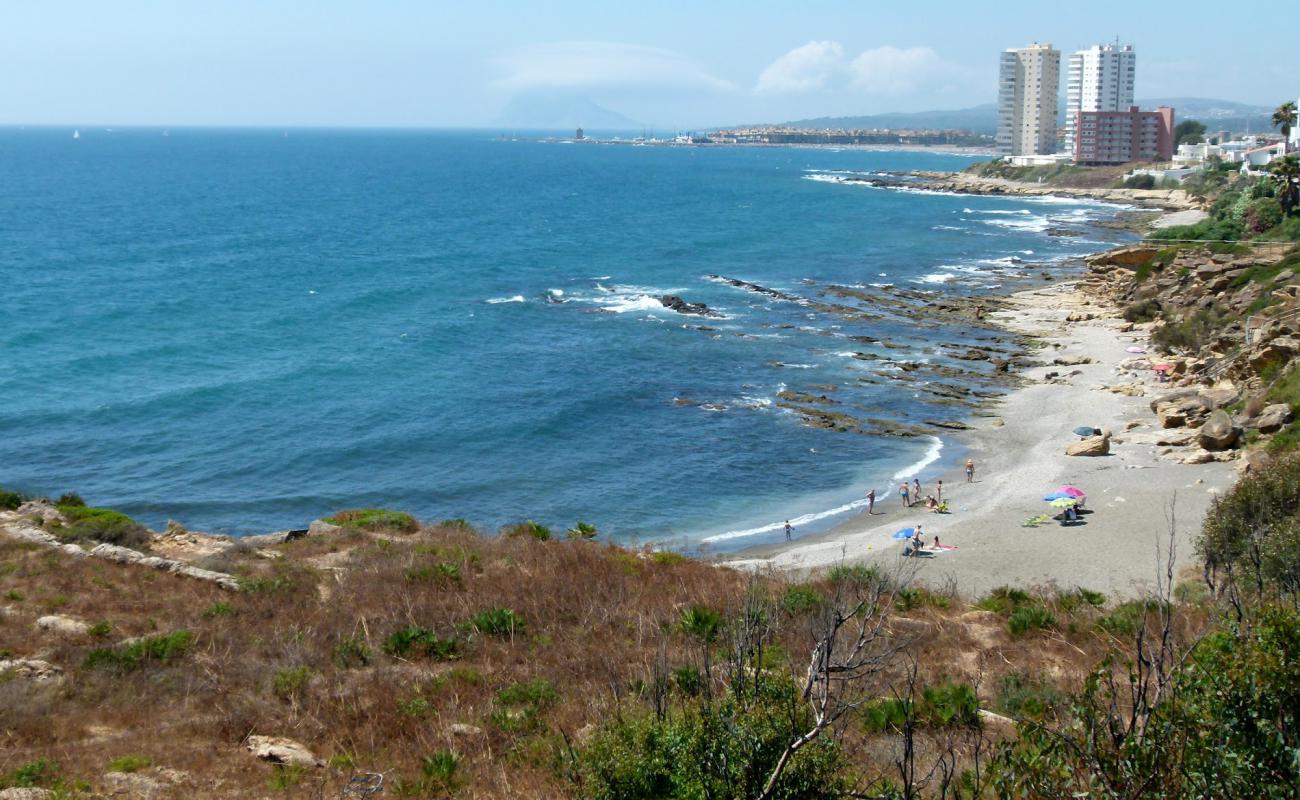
(788, 530)
(902, 492)
(970, 470)
(938, 492)
(871, 501)
(916, 488)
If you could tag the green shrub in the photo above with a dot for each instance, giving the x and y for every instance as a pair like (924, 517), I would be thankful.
(1190, 333)
(582, 530)
(286, 776)
(443, 573)
(101, 525)
(1078, 598)
(912, 598)
(100, 629)
(1030, 617)
(497, 622)
(857, 575)
(41, 772)
(1004, 600)
(1124, 619)
(668, 557)
(128, 764)
(527, 529)
(520, 706)
(1023, 697)
(163, 649)
(700, 622)
(800, 599)
(70, 499)
(942, 706)
(1142, 311)
(437, 777)
(1140, 182)
(1262, 214)
(352, 651)
(688, 680)
(218, 609)
(11, 500)
(725, 750)
(375, 519)
(415, 640)
(288, 682)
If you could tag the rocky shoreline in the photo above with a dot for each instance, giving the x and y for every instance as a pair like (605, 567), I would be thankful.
(963, 183)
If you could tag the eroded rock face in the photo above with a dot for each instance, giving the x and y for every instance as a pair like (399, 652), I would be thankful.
(1273, 418)
(31, 669)
(26, 794)
(1218, 432)
(279, 750)
(1092, 446)
(62, 626)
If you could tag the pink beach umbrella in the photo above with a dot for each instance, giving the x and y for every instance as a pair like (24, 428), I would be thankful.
(1072, 491)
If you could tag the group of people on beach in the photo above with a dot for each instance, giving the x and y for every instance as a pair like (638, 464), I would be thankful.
(911, 496)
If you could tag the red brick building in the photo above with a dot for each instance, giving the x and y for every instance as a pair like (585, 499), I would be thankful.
(1118, 137)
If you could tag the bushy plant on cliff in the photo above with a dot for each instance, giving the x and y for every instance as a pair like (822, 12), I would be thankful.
(1251, 538)
(101, 525)
(1190, 333)
(11, 500)
(1227, 724)
(375, 519)
(529, 529)
(724, 749)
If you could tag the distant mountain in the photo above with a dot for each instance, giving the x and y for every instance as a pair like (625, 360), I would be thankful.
(1215, 114)
(562, 111)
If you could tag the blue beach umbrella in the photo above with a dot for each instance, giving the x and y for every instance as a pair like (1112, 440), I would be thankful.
(905, 533)
(1085, 430)
(1056, 496)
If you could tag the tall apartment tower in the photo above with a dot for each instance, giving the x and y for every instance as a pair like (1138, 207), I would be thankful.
(1028, 83)
(1099, 79)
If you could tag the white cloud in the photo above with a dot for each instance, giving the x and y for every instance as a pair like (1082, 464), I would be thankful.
(594, 65)
(888, 70)
(809, 68)
(891, 70)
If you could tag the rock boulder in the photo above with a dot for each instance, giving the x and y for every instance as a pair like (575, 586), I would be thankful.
(1218, 432)
(1273, 418)
(279, 750)
(1092, 446)
(62, 626)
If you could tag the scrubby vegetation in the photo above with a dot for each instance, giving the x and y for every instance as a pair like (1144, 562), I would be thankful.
(1241, 206)
(374, 519)
(465, 665)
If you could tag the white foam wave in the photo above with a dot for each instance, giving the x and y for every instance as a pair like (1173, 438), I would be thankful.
(806, 519)
(1033, 223)
(996, 211)
(946, 228)
(637, 302)
(518, 298)
(931, 456)
(936, 277)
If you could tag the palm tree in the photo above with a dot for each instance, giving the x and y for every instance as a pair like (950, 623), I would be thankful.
(1284, 117)
(1286, 174)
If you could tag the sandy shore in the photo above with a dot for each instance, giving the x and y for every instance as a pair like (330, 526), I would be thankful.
(1020, 456)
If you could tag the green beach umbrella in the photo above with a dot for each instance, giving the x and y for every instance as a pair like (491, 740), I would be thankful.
(1064, 502)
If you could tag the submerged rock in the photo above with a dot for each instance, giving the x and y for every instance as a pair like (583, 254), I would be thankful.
(675, 303)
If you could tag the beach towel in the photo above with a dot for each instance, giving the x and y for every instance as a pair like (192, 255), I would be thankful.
(943, 547)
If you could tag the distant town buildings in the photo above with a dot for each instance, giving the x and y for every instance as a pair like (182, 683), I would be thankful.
(848, 136)
(1118, 137)
(1029, 80)
(1100, 78)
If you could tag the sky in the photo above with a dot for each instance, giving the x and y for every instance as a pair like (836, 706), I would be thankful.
(667, 64)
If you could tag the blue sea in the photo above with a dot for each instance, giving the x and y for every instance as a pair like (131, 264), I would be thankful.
(246, 330)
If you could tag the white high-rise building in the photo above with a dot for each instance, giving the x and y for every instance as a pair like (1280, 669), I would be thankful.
(1099, 79)
(1028, 82)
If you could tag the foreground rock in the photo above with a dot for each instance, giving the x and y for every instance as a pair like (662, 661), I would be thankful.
(31, 669)
(1218, 432)
(1273, 418)
(279, 750)
(1092, 446)
(63, 626)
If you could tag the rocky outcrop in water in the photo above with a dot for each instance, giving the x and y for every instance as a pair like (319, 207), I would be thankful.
(675, 303)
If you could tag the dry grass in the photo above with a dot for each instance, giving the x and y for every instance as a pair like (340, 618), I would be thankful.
(301, 653)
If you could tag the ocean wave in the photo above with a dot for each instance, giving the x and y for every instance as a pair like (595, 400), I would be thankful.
(931, 456)
(1033, 223)
(996, 211)
(518, 298)
(639, 302)
(936, 277)
(946, 228)
(800, 521)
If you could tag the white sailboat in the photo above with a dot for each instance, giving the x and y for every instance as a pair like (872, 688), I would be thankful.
(76, 134)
